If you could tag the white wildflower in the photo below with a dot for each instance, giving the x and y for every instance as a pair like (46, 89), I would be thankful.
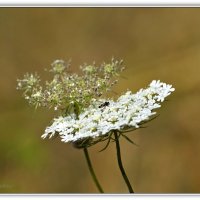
(129, 111)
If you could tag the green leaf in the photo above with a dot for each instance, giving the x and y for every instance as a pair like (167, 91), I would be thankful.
(129, 140)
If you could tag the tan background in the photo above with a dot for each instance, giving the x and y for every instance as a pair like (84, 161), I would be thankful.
(155, 43)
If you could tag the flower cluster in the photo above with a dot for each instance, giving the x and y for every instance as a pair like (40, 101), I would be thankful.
(70, 92)
(104, 116)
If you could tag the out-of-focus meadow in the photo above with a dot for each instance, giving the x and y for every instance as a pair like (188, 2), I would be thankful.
(155, 43)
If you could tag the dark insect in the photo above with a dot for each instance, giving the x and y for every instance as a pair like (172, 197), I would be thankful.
(104, 104)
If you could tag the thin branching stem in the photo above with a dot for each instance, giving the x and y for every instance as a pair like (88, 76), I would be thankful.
(92, 171)
(120, 163)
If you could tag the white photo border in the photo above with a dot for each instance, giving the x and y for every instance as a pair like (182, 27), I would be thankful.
(100, 3)
(100, 196)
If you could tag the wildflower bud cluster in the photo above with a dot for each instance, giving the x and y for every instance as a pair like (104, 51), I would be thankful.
(70, 92)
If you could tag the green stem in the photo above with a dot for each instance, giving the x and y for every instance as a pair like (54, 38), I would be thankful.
(92, 171)
(120, 164)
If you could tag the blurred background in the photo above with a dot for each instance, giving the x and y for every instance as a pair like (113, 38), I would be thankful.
(155, 43)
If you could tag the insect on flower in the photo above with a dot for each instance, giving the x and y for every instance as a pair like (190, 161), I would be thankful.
(104, 104)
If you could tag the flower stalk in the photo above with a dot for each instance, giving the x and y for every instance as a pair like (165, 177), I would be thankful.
(92, 170)
(120, 163)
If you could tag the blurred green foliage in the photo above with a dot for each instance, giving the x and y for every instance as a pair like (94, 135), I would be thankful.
(155, 43)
